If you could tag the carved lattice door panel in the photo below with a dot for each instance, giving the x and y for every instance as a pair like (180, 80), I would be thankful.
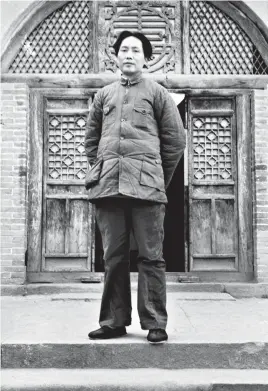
(216, 183)
(67, 214)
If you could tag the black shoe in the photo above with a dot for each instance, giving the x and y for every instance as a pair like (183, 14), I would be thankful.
(157, 336)
(106, 332)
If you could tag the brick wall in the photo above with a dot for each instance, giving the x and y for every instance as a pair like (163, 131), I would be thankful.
(261, 185)
(14, 147)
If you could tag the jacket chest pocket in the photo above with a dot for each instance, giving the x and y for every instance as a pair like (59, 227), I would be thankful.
(108, 117)
(140, 117)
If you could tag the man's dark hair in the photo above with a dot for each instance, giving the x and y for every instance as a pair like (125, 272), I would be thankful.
(146, 44)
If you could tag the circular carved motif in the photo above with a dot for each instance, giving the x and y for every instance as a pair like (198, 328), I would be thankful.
(154, 23)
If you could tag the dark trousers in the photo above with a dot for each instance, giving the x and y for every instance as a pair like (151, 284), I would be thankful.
(116, 218)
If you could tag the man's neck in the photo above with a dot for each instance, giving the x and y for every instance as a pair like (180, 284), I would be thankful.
(132, 78)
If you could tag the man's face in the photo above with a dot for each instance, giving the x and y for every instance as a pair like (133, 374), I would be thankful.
(131, 56)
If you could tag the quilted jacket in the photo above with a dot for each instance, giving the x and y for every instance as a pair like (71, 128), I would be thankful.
(134, 141)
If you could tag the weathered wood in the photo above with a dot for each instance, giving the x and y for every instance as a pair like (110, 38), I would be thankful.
(235, 221)
(161, 20)
(186, 224)
(215, 256)
(244, 153)
(240, 5)
(185, 37)
(67, 111)
(224, 189)
(35, 183)
(178, 25)
(66, 105)
(45, 202)
(65, 213)
(67, 227)
(37, 13)
(55, 219)
(210, 232)
(214, 264)
(223, 276)
(225, 226)
(68, 196)
(257, 37)
(95, 35)
(216, 92)
(77, 276)
(91, 237)
(213, 226)
(186, 190)
(59, 276)
(75, 93)
(201, 227)
(207, 183)
(105, 63)
(34, 14)
(170, 81)
(65, 264)
(78, 226)
(204, 103)
(70, 255)
(212, 112)
(213, 197)
(62, 183)
(230, 217)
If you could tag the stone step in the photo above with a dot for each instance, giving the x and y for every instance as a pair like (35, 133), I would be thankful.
(133, 380)
(49, 289)
(131, 352)
(238, 290)
(206, 330)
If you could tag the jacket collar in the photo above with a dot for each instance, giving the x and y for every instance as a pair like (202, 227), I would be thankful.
(125, 81)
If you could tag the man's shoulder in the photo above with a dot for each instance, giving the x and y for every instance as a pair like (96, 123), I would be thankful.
(103, 93)
(109, 87)
(156, 87)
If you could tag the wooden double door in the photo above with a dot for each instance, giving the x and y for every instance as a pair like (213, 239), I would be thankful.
(208, 227)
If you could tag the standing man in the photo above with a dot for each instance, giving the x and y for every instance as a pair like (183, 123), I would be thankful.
(134, 141)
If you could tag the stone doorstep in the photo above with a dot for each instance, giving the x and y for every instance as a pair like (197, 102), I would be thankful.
(92, 296)
(134, 380)
(238, 290)
(125, 353)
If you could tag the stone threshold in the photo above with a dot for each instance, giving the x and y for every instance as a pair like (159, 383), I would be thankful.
(235, 289)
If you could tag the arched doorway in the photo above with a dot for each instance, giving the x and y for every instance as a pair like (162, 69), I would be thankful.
(66, 56)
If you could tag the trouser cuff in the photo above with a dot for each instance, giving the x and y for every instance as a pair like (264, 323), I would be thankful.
(154, 326)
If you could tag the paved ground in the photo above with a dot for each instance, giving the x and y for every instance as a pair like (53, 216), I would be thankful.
(216, 343)
(194, 317)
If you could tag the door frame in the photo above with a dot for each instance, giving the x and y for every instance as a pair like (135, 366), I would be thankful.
(35, 188)
(35, 250)
(244, 195)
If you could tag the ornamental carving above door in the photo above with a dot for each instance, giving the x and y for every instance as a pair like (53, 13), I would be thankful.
(190, 37)
(156, 22)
